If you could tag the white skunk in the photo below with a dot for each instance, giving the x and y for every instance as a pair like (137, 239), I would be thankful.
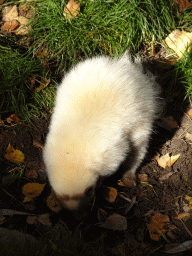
(104, 110)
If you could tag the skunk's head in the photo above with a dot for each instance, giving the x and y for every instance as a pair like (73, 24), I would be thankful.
(72, 181)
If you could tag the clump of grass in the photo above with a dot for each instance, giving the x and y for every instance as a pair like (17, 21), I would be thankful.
(101, 27)
(15, 88)
(184, 72)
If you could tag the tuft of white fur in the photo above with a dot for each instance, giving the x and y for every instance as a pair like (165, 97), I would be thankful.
(101, 105)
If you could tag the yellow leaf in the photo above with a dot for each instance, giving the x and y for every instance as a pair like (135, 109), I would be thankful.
(189, 198)
(112, 194)
(9, 120)
(33, 189)
(15, 156)
(167, 161)
(190, 112)
(23, 29)
(179, 41)
(172, 160)
(53, 204)
(156, 226)
(15, 118)
(41, 87)
(71, 10)
(183, 215)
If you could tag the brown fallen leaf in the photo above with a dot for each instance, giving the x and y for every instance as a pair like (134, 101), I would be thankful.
(2, 1)
(71, 10)
(10, 26)
(183, 215)
(53, 204)
(11, 14)
(15, 156)
(183, 4)
(37, 144)
(156, 226)
(167, 161)
(44, 83)
(143, 177)
(33, 189)
(111, 195)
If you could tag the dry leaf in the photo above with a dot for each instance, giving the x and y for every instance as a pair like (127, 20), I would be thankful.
(15, 156)
(53, 204)
(182, 215)
(23, 29)
(1, 123)
(112, 194)
(179, 41)
(115, 222)
(11, 14)
(190, 112)
(71, 10)
(37, 144)
(10, 26)
(188, 136)
(32, 80)
(189, 198)
(183, 4)
(121, 183)
(169, 120)
(2, 1)
(156, 226)
(143, 177)
(44, 83)
(13, 118)
(33, 189)
(167, 161)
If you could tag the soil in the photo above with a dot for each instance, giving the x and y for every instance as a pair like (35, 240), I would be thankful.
(163, 190)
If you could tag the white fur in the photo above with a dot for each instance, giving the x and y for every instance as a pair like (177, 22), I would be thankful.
(99, 103)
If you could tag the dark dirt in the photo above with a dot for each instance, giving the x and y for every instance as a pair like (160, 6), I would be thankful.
(163, 192)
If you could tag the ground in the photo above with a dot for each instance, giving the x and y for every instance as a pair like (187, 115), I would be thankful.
(164, 191)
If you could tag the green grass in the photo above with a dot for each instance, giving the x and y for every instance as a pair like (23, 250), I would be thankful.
(101, 27)
(184, 72)
(16, 92)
